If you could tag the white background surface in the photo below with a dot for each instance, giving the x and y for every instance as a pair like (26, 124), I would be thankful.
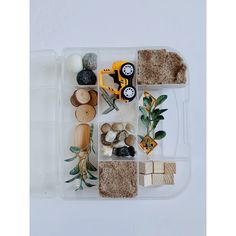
(56, 24)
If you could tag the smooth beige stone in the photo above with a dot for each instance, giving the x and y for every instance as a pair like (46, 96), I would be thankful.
(146, 167)
(145, 180)
(158, 179)
(168, 179)
(170, 168)
(158, 167)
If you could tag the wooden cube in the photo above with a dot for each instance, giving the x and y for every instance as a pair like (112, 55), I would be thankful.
(146, 167)
(158, 167)
(168, 179)
(170, 168)
(158, 179)
(145, 180)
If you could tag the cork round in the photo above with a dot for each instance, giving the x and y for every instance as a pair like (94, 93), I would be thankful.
(82, 96)
(93, 98)
(74, 100)
(85, 113)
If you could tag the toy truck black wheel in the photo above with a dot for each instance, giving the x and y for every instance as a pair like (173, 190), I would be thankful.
(128, 93)
(127, 70)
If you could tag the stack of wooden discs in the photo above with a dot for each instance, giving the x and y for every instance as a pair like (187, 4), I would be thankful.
(85, 102)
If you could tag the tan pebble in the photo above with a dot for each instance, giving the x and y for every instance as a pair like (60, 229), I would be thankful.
(130, 140)
(93, 98)
(82, 96)
(85, 113)
(105, 128)
(117, 126)
(129, 127)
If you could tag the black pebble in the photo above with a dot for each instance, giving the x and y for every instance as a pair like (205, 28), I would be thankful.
(124, 151)
(86, 77)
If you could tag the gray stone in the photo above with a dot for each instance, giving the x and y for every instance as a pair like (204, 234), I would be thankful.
(90, 61)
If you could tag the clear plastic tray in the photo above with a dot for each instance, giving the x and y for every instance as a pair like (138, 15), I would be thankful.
(53, 123)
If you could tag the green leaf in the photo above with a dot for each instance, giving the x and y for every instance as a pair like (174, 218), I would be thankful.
(143, 110)
(159, 117)
(91, 176)
(80, 186)
(70, 159)
(147, 102)
(93, 148)
(157, 112)
(162, 111)
(160, 100)
(88, 184)
(154, 124)
(74, 149)
(140, 136)
(160, 135)
(75, 170)
(144, 120)
(74, 178)
(91, 130)
(90, 166)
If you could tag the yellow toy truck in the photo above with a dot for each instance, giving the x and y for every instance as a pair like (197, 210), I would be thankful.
(122, 73)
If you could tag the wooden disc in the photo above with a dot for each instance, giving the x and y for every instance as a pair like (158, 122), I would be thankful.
(74, 100)
(85, 113)
(82, 96)
(82, 136)
(93, 98)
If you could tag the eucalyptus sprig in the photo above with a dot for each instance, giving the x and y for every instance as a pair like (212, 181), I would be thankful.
(152, 115)
(82, 169)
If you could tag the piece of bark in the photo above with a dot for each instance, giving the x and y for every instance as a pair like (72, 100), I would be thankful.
(93, 98)
(160, 67)
(85, 113)
(82, 96)
(74, 100)
(118, 179)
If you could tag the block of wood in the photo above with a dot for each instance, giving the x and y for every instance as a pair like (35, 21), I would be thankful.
(82, 136)
(158, 179)
(160, 67)
(168, 179)
(145, 180)
(170, 167)
(118, 179)
(145, 167)
(158, 167)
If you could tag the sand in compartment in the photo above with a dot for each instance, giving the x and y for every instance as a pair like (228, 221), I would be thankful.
(160, 67)
(118, 179)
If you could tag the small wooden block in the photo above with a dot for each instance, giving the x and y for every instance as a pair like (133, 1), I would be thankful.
(145, 167)
(170, 168)
(145, 180)
(158, 179)
(158, 167)
(168, 179)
